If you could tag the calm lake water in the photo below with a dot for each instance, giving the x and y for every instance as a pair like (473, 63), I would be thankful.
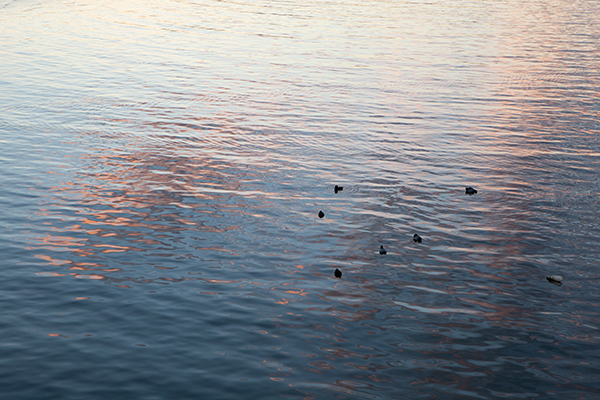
(162, 165)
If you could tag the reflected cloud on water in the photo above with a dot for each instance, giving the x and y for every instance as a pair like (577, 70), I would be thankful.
(162, 208)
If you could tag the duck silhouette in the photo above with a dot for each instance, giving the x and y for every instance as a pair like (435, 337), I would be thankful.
(338, 188)
(470, 190)
(321, 214)
(417, 238)
(337, 273)
(382, 250)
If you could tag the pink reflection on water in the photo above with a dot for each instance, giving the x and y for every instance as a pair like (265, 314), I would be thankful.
(138, 202)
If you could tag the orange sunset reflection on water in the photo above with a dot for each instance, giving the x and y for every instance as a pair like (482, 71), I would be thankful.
(122, 203)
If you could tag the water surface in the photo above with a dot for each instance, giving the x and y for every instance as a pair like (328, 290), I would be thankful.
(163, 163)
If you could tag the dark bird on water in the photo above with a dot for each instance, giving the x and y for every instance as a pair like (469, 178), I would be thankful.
(555, 279)
(338, 273)
(338, 188)
(321, 214)
(470, 190)
(382, 250)
(417, 238)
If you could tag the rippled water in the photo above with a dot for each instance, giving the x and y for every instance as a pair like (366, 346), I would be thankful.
(163, 163)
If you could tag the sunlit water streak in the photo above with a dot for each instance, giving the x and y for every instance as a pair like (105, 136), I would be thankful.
(162, 167)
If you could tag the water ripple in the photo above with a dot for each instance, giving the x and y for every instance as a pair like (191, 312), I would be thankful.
(163, 165)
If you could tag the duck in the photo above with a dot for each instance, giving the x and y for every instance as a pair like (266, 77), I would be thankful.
(337, 273)
(382, 250)
(555, 279)
(470, 190)
(321, 214)
(417, 238)
(338, 188)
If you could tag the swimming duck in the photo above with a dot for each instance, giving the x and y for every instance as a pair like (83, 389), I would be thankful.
(417, 238)
(338, 273)
(555, 279)
(338, 188)
(470, 190)
(321, 214)
(382, 250)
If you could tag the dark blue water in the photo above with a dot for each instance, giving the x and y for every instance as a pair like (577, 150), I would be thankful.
(162, 165)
